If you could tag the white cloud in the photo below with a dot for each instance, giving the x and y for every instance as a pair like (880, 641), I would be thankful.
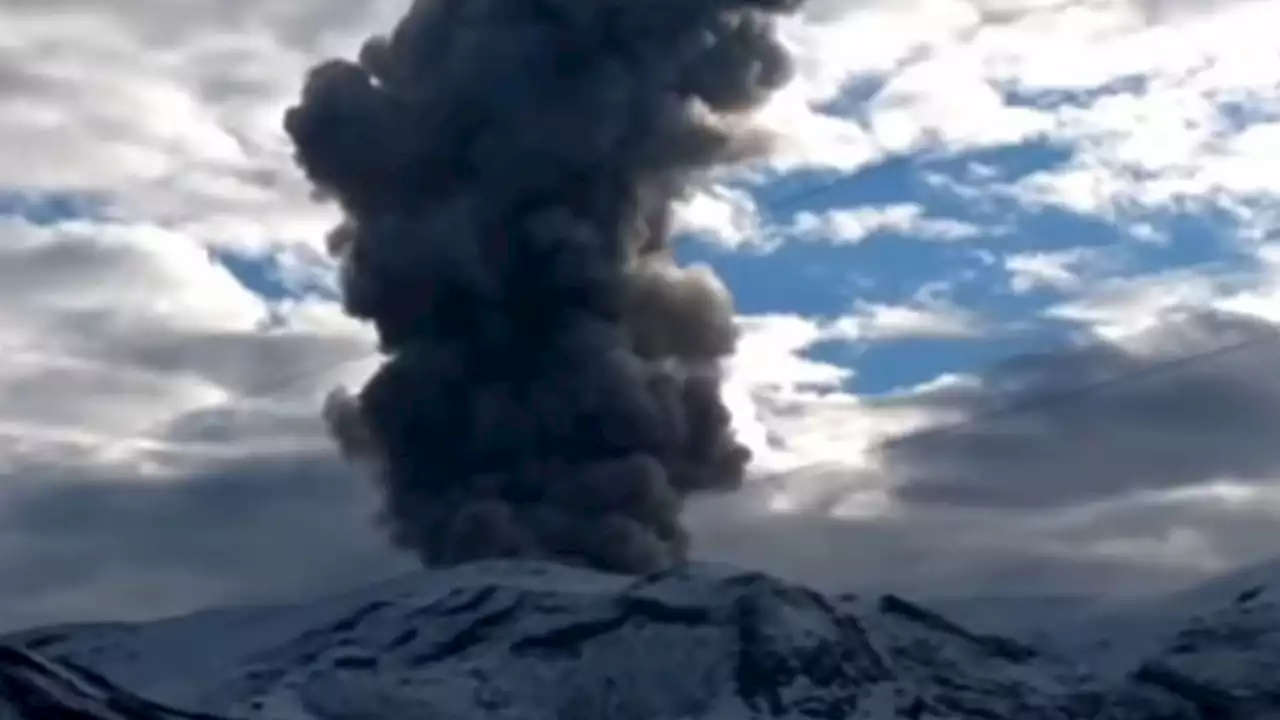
(1196, 131)
(1118, 307)
(948, 103)
(769, 353)
(1057, 270)
(800, 412)
(171, 110)
(141, 307)
(725, 215)
(1175, 107)
(920, 58)
(853, 225)
(879, 321)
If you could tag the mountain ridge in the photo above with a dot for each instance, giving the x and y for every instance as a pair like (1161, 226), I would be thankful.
(510, 639)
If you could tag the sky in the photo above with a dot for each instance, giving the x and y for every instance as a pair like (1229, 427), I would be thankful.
(1007, 286)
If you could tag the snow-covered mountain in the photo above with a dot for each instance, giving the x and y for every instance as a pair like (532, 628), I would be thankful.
(34, 687)
(532, 641)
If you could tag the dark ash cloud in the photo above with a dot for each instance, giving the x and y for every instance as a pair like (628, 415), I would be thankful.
(1172, 414)
(507, 170)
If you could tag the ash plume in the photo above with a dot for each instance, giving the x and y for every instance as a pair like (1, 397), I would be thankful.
(507, 170)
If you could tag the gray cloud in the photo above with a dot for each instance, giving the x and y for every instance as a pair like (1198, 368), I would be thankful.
(953, 552)
(1156, 421)
(142, 472)
(92, 542)
(84, 544)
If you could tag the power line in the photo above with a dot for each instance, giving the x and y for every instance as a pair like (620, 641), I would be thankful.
(1088, 390)
(1011, 409)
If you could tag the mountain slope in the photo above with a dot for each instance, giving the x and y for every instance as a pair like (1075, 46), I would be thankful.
(528, 640)
(1225, 662)
(33, 688)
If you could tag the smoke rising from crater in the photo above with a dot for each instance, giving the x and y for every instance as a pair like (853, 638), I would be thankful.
(507, 170)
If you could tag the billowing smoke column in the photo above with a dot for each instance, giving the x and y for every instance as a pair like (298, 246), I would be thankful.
(507, 170)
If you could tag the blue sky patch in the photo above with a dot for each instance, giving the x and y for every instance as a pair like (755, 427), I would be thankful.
(259, 272)
(1057, 98)
(827, 277)
(50, 207)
